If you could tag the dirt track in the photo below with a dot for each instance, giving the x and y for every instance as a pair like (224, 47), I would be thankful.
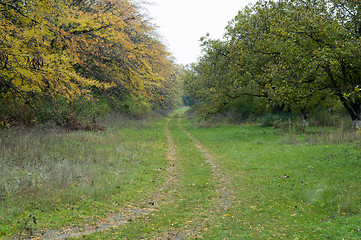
(162, 197)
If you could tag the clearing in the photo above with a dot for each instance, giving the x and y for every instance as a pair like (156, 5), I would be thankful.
(171, 179)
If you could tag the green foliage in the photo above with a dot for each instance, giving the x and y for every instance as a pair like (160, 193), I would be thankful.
(331, 117)
(246, 108)
(17, 114)
(272, 120)
(294, 54)
(137, 107)
(188, 101)
(57, 111)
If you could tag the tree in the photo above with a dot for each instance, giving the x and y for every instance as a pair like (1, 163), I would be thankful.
(213, 82)
(121, 47)
(36, 60)
(300, 52)
(56, 53)
(296, 54)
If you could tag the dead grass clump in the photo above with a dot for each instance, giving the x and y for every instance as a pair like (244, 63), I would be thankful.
(289, 140)
(71, 123)
(124, 121)
(311, 140)
(340, 200)
(341, 136)
(34, 164)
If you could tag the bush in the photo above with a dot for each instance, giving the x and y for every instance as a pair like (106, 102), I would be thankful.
(245, 108)
(279, 120)
(138, 107)
(329, 117)
(17, 114)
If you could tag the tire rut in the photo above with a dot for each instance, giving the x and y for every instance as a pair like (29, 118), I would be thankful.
(162, 197)
(125, 215)
(179, 233)
(225, 195)
(224, 189)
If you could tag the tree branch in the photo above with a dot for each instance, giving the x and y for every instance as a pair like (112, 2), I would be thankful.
(83, 32)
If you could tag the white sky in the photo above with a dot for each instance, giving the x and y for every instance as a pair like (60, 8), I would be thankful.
(183, 22)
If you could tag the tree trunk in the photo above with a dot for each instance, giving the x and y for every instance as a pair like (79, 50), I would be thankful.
(354, 110)
(305, 117)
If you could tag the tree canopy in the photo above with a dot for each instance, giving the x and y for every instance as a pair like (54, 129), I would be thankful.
(56, 53)
(297, 54)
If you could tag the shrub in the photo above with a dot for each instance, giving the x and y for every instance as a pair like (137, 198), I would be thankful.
(17, 114)
(329, 117)
(138, 107)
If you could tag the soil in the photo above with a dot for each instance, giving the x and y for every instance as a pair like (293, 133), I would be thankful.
(163, 196)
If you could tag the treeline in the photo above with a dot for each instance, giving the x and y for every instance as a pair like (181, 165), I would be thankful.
(294, 55)
(63, 59)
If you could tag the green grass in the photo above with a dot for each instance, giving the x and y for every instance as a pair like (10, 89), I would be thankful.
(71, 179)
(185, 206)
(295, 185)
(288, 188)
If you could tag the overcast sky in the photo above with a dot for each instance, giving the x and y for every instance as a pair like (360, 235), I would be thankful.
(183, 22)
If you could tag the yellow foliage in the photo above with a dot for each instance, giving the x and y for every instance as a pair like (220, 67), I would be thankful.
(65, 49)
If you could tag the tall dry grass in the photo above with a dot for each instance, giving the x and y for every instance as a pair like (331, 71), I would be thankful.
(41, 162)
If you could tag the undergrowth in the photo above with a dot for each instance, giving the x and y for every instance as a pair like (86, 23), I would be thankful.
(59, 177)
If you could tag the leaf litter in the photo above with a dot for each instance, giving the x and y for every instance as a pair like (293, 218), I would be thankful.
(163, 196)
(126, 215)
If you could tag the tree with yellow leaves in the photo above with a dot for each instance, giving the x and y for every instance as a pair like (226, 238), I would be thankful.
(62, 53)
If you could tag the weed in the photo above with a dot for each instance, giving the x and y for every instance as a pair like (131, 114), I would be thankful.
(340, 201)
(289, 140)
(49, 173)
(27, 226)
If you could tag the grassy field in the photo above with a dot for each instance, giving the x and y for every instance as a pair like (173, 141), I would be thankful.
(168, 178)
(77, 178)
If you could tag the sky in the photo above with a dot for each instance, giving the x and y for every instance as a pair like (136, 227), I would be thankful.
(181, 23)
